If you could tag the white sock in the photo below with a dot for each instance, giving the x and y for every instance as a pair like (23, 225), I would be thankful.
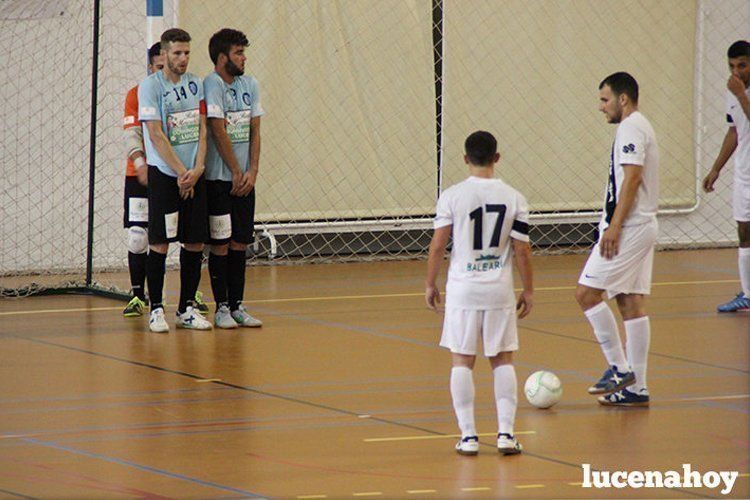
(744, 264)
(505, 397)
(638, 332)
(605, 329)
(462, 391)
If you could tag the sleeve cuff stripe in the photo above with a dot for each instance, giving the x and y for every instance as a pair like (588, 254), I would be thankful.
(521, 227)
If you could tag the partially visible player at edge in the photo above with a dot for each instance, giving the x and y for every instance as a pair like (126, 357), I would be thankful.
(135, 214)
(233, 110)
(173, 113)
(621, 262)
(487, 218)
(737, 141)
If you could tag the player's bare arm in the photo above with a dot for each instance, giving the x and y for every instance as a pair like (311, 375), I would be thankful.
(164, 148)
(522, 253)
(252, 172)
(218, 130)
(434, 259)
(610, 241)
(727, 148)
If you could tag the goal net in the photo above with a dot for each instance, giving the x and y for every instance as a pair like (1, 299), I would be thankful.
(368, 104)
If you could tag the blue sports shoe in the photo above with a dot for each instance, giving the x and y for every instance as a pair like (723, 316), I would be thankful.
(739, 303)
(612, 381)
(625, 398)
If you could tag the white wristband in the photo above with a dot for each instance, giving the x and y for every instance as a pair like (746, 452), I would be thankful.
(139, 162)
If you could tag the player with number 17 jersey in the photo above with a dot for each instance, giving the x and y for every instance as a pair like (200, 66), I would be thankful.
(485, 214)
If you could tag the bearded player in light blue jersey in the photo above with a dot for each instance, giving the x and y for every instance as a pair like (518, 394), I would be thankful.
(172, 110)
(234, 111)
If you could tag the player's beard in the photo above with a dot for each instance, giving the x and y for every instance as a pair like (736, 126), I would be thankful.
(233, 69)
(176, 69)
(616, 116)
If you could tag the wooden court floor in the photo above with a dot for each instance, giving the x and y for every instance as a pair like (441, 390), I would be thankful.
(344, 393)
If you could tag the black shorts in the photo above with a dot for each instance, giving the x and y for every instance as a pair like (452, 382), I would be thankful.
(170, 218)
(229, 217)
(135, 211)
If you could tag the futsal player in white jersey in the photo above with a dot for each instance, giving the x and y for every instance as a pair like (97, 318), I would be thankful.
(621, 262)
(737, 141)
(488, 220)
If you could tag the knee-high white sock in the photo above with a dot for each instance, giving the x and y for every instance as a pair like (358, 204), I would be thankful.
(605, 329)
(638, 332)
(744, 265)
(505, 397)
(462, 392)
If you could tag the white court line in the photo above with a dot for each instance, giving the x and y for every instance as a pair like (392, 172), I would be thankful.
(343, 297)
(441, 436)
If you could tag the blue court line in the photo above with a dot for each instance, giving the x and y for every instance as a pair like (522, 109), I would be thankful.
(484, 412)
(434, 344)
(146, 468)
(18, 495)
(95, 395)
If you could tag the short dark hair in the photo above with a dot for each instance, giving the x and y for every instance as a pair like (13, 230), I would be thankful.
(174, 35)
(221, 42)
(738, 49)
(481, 148)
(622, 83)
(154, 51)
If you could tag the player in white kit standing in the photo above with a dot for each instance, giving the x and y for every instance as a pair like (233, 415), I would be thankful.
(737, 141)
(487, 219)
(621, 262)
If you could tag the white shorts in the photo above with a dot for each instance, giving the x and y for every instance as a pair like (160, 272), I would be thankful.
(630, 270)
(462, 329)
(741, 201)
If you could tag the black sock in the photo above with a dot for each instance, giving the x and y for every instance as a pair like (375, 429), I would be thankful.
(190, 277)
(236, 277)
(155, 267)
(137, 268)
(217, 269)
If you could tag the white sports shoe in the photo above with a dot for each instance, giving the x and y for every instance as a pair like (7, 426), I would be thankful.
(242, 318)
(223, 318)
(508, 445)
(192, 320)
(468, 445)
(157, 323)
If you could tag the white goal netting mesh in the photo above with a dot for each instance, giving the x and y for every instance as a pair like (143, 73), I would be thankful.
(368, 104)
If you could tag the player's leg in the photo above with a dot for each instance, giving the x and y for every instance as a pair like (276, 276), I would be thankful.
(741, 212)
(461, 330)
(135, 220)
(742, 301)
(604, 324)
(243, 231)
(506, 401)
(462, 394)
(638, 335)
(500, 336)
(220, 231)
(163, 199)
(192, 232)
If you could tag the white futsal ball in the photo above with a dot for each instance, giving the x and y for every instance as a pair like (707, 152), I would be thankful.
(543, 389)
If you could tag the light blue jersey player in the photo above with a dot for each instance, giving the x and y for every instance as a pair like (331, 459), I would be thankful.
(172, 111)
(178, 107)
(236, 103)
(232, 160)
